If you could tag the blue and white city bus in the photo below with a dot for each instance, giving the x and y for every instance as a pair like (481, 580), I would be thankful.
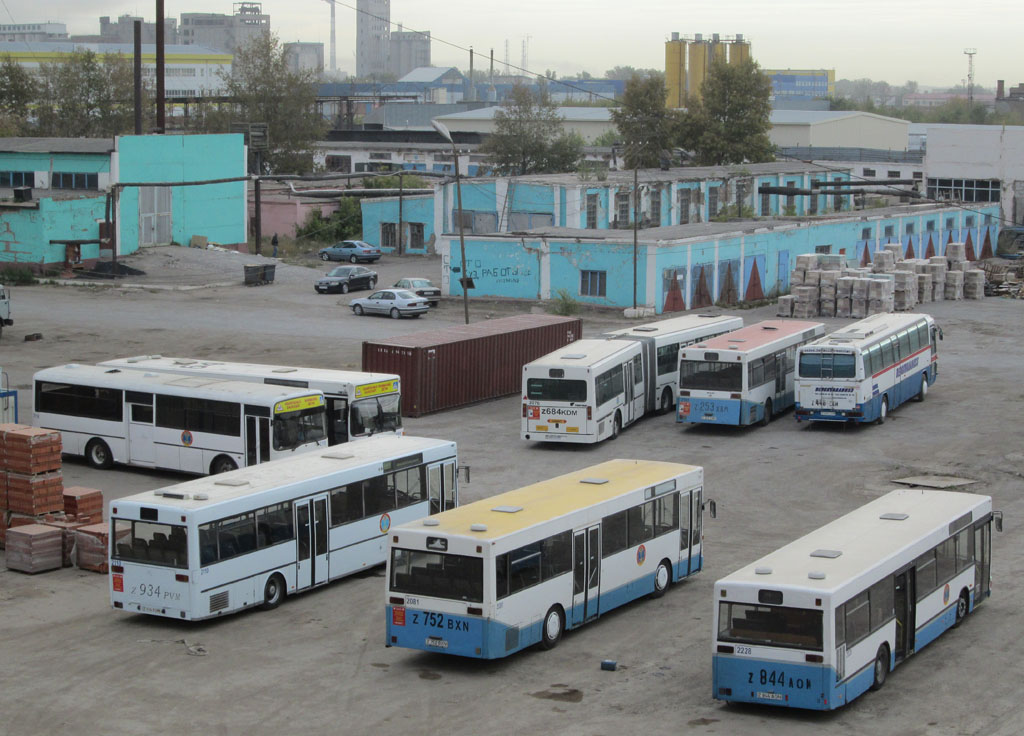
(825, 618)
(496, 576)
(867, 369)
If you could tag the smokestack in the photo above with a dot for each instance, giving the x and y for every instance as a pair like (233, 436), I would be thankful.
(472, 89)
(137, 74)
(1000, 89)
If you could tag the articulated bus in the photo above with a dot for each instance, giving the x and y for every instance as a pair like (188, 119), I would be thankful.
(589, 390)
(213, 546)
(517, 569)
(865, 370)
(358, 404)
(195, 424)
(820, 621)
(744, 377)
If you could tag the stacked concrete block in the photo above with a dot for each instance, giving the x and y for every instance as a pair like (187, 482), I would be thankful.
(831, 261)
(954, 285)
(956, 253)
(796, 277)
(880, 296)
(885, 262)
(812, 278)
(808, 261)
(785, 306)
(827, 287)
(937, 268)
(34, 548)
(805, 302)
(974, 284)
(904, 291)
(924, 287)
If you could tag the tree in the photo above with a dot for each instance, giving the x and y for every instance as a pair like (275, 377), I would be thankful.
(626, 73)
(265, 90)
(528, 137)
(86, 96)
(730, 123)
(646, 126)
(17, 92)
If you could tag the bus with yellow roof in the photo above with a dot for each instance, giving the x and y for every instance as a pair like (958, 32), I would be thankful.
(496, 576)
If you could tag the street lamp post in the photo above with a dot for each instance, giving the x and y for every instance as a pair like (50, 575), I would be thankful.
(464, 280)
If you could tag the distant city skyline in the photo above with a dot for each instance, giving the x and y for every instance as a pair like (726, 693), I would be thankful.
(895, 42)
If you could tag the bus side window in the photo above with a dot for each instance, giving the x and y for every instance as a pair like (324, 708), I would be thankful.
(696, 517)
(684, 521)
(915, 339)
(922, 334)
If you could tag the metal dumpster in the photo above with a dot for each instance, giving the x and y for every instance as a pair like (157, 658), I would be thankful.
(268, 272)
(253, 274)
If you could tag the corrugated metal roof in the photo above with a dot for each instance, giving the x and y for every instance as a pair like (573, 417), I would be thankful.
(813, 117)
(429, 73)
(570, 114)
(459, 333)
(56, 145)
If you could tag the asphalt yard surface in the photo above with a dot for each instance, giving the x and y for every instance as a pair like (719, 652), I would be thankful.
(318, 663)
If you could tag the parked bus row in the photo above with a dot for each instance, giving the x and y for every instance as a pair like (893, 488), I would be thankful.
(713, 370)
(812, 625)
(209, 416)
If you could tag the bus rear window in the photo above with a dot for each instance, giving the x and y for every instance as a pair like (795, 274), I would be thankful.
(556, 389)
(770, 626)
(708, 375)
(150, 543)
(827, 365)
(437, 575)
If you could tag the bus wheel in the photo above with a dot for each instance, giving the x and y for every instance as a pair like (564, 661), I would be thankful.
(962, 605)
(767, 413)
(222, 464)
(666, 401)
(554, 623)
(273, 592)
(662, 578)
(616, 425)
(883, 410)
(881, 667)
(924, 387)
(98, 455)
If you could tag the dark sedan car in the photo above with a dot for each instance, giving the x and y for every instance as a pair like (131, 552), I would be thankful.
(421, 287)
(353, 251)
(346, 279)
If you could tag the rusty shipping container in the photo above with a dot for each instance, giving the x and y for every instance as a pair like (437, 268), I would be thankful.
(443, 369)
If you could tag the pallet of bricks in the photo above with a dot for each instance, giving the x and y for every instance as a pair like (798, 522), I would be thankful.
(822, 285)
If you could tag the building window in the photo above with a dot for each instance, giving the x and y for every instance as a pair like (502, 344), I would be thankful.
(894, 174)
(865, 233)
(341, 164)
(917, 175)
(622, 208)
(17, 179)
(592, 212)
(766, 205)
(965, 190)
(69, 180)
(415, 234)
(655, 208)
(823, 249)
(813, 200)
(683, 199)
(712, 202)
(889, 230)
(869, 173)
(592, 283)
(790, 198)
(949, 223)
(930, 226)
(837, 199)
(380, 156)
(988, 220)
(970, 221)
(910, 228)
(389, 235)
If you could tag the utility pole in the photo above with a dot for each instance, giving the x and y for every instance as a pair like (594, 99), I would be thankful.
(465, 281)
(970, 77)
(636, 217)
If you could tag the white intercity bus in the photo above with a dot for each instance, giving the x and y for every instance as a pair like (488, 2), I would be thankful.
(359, 404)
(865, 370)
(590, 390)
(195, 424)
(820, 621)
(517, 569)
(744, 377)
(216, 545)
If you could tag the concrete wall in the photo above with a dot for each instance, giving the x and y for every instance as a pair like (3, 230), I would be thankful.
(26, 232)
(284, 215)
(750, 264)
(418, 209)
(216, 211)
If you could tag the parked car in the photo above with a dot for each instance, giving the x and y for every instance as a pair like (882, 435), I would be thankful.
(394, 302)
(421, 287)
(353, 251)
(346, 279)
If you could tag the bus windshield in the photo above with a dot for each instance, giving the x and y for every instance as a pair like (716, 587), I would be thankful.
(437, 575)
(828, 365)
(556, 389)
(707, 375)
(770, 626)
(151, 543)
(295, 428)
(378, 414)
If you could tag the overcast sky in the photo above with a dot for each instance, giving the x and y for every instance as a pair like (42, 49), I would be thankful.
(891, 40)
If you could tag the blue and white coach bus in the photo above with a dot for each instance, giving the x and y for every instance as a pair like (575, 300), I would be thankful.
(867, 369)
(825, 618)
(517, 569)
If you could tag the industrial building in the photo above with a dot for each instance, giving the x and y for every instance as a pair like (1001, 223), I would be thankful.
(800, 85)
(122, 30)
(688, 60)
(848, 128)
(408, 50)
(589, 123)
(301, 56)
(224, 32)
(31, 32)
(373, 33)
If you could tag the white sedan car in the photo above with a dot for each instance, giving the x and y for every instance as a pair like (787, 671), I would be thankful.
(394, 302)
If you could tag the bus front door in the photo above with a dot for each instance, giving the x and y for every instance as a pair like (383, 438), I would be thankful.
(337, 420)
(311, 557)
(905, 604)
(257, 439)
(442, 486)
(586, 575)
(628, 393)
(696, 513)
(982, 561)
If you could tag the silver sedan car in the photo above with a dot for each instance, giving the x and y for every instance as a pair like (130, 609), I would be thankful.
(394, 302)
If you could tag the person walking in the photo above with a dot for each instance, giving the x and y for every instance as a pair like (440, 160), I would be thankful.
(273, 242)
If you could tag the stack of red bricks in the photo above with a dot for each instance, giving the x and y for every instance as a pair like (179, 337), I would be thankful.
(34, 548)
(30, 464)
(92, 544)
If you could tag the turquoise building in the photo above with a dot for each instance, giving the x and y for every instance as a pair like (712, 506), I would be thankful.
(382, 216)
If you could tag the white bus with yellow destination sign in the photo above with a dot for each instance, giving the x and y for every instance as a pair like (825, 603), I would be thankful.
(359, 404)
(196, 424)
